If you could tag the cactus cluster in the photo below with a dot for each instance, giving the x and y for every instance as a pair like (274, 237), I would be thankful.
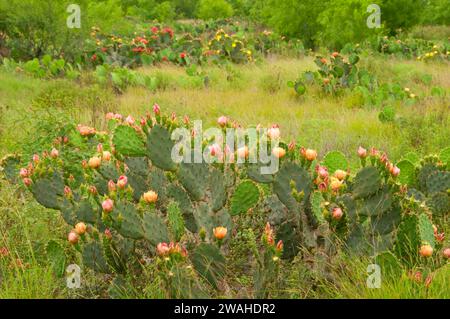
(130, 204)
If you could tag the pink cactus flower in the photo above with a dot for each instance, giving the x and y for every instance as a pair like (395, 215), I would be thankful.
(67, 191)
(162, 249)
(122, 181)
(108, 205)
(23, 172)
(111, 186)
(214, 149)
(36, 158)
(395, 171)
(156, 109)
(222, 121)
(54, 153)
(322, 171)
(109, 116)
(337, 213)
(27, 181)
(129, 120)
(73, 237)
(274, 132)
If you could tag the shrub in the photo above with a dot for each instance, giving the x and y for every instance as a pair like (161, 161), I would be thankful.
(214, 9)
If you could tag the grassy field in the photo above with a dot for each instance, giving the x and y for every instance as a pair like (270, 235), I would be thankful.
(251, 94)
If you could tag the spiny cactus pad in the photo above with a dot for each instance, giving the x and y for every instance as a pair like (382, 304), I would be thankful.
(94, 257)
(438, 181)
(335, 160)
(245, 196)
(407, 172)
(209, 262)
(175, 220)
(155, 230)
(288, 174)
(426, 231)
(366, 183)
(159, 148)
(128, 142)
(48, 190)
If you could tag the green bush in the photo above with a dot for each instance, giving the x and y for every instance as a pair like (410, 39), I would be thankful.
(164, 12)
(344, 22)
(214, 9)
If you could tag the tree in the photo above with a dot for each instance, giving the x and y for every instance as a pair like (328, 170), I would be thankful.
(214, 9)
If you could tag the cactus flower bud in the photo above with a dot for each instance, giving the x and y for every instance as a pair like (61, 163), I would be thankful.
(220, 232)
(426, 250)
(362, 152)
(222, 121)
(156, 109)
(291, 146)
(335, 185)
(322, 171)
(122, 181)
(337, 213)
(335, 54)
(395, 171)
(340, 174)
(54, 153)
(106, 156)
(80, 228)
(243, 152)
(99, 147)
(279, 152)
(95, 162)
(280, 245)
(67, 191)
(109, 116)
(23, 172)
(214, 149)
(150, 197)
(93, 190)
(111, 186)
(108, 205)
(73, 237)
(162, 249)
(129, 120)
(108, 233)
(446, 253)
(310, 154)
(274, 132)
(36, 158)
(27, 181)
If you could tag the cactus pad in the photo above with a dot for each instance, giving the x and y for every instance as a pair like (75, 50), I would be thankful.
(335, 160)
(159, 148)
(246, 196)
(94, 257)
(175, 220)
(407, 172)
(155, 230)
(367, 182)
(438, 181)
(288, 173)
(426, 231)
(209, 262)
(128, 142)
